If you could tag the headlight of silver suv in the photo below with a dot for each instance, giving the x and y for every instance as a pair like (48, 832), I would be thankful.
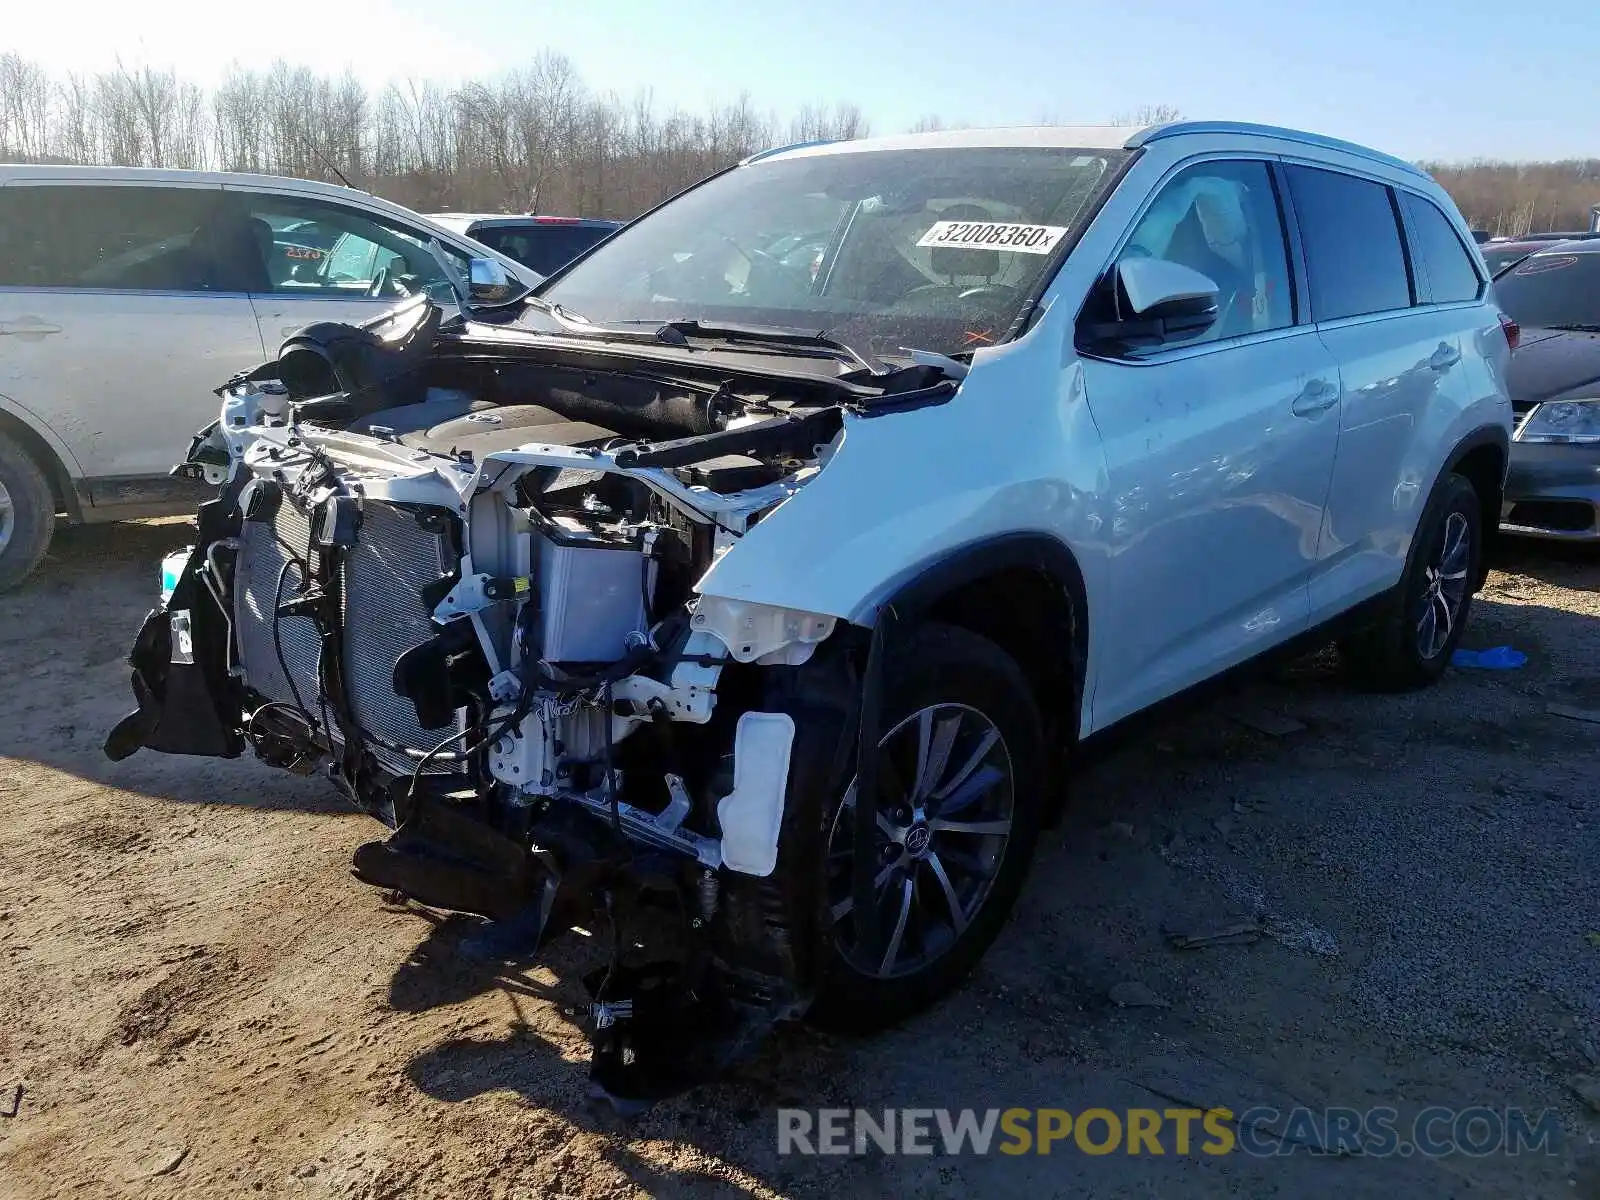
(1565, 421)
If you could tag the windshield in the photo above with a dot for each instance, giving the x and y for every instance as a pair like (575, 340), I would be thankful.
(1550, 290)
(934, 249)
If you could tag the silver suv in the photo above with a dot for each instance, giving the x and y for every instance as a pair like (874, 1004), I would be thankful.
(127, 295)
(761, 572)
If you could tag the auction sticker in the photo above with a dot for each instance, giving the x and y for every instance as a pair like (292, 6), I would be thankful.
(994, 235)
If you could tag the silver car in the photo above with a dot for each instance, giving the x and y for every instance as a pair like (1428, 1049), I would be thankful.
(128, 295)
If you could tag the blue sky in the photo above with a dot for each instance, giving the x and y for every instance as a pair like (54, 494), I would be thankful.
(1427, 79)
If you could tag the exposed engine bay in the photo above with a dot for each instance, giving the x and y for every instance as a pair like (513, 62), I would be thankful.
(456, 572)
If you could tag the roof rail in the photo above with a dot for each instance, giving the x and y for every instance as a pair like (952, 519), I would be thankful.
(770, 151)
(1158, 133)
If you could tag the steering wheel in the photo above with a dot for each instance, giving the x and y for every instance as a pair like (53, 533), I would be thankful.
(750, 256)
(380, 283)
(931, 297)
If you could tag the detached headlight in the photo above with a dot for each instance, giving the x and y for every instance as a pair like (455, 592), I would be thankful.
(1562, 421)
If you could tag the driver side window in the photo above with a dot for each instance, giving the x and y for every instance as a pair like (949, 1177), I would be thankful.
(1222, 219)
(312, 248)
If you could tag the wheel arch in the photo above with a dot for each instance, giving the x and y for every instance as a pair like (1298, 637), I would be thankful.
(39, 446)
(1025, 592)
(1481, 458)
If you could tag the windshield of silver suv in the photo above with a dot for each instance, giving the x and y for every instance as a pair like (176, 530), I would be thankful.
(934, 249)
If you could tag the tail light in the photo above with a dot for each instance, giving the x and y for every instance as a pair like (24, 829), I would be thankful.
(1511, 329)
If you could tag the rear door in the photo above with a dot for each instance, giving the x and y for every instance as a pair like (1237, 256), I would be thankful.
(120, 311)
(1401, 365)
(327, 261)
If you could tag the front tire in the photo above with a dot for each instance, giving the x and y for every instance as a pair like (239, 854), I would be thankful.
(27, 514)
(1410, 645)
(960, 794)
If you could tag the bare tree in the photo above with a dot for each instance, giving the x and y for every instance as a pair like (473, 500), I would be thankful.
(78, 130)
(1148, 114)
(25, 96)
(534, 139)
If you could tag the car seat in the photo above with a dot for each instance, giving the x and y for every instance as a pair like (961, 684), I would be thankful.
(1201, 224)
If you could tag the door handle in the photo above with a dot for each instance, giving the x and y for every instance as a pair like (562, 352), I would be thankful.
(1317, 396)
(1445, 357)
(27, 327)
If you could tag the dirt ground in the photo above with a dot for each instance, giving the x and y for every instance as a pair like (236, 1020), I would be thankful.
(199, 1001)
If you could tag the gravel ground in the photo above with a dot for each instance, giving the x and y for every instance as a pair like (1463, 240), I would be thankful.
(201, 1003)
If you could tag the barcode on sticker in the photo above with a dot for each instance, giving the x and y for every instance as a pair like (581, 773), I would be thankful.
(993, 235)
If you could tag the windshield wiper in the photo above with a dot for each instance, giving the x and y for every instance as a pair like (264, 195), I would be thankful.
(771, 337)
(1576, 328)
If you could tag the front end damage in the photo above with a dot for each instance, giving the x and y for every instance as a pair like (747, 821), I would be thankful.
(457, 574)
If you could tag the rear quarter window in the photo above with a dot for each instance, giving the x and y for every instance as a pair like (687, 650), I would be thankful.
(1355, 260)
(1447, 273)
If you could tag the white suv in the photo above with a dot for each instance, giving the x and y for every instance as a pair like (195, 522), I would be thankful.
(770, 561)
(128, 295)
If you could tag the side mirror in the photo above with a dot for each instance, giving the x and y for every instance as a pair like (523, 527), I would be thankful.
(1148, 301)
(489, 285)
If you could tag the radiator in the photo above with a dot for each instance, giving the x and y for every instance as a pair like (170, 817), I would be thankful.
(381, 579)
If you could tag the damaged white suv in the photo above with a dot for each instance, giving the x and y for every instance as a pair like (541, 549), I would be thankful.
(741, 593)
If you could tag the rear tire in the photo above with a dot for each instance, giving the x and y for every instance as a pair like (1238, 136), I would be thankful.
(27, 514)
(1410, 644)
(958, 714)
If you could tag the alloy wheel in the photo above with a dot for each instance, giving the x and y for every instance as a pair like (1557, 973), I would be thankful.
(1445, 587)
(8, 518)
(938, 842)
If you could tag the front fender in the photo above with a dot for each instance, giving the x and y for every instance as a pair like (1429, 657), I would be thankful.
(906, 490)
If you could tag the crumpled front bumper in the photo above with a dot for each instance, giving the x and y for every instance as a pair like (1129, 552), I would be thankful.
(1553, 491)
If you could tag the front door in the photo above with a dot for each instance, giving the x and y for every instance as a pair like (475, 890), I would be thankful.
(326, 261)
(1219, 450)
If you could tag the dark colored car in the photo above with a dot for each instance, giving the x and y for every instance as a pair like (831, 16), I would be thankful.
(1553, 486)
(544, 243)
(1501, 254)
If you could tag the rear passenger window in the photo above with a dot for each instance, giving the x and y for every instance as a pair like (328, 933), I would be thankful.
(158, 239)
(1355, 262)
(1447, 271)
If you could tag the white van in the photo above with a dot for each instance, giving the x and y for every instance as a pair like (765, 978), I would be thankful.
(128, 295)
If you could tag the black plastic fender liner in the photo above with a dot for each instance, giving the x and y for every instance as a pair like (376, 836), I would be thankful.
(956, 589)
(1484, 436)
(188, 703)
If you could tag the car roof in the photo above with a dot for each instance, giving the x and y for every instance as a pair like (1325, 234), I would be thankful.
(1576, 246)
(471, 218)
(10, 171)
(1086, 137)
(50, 172)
